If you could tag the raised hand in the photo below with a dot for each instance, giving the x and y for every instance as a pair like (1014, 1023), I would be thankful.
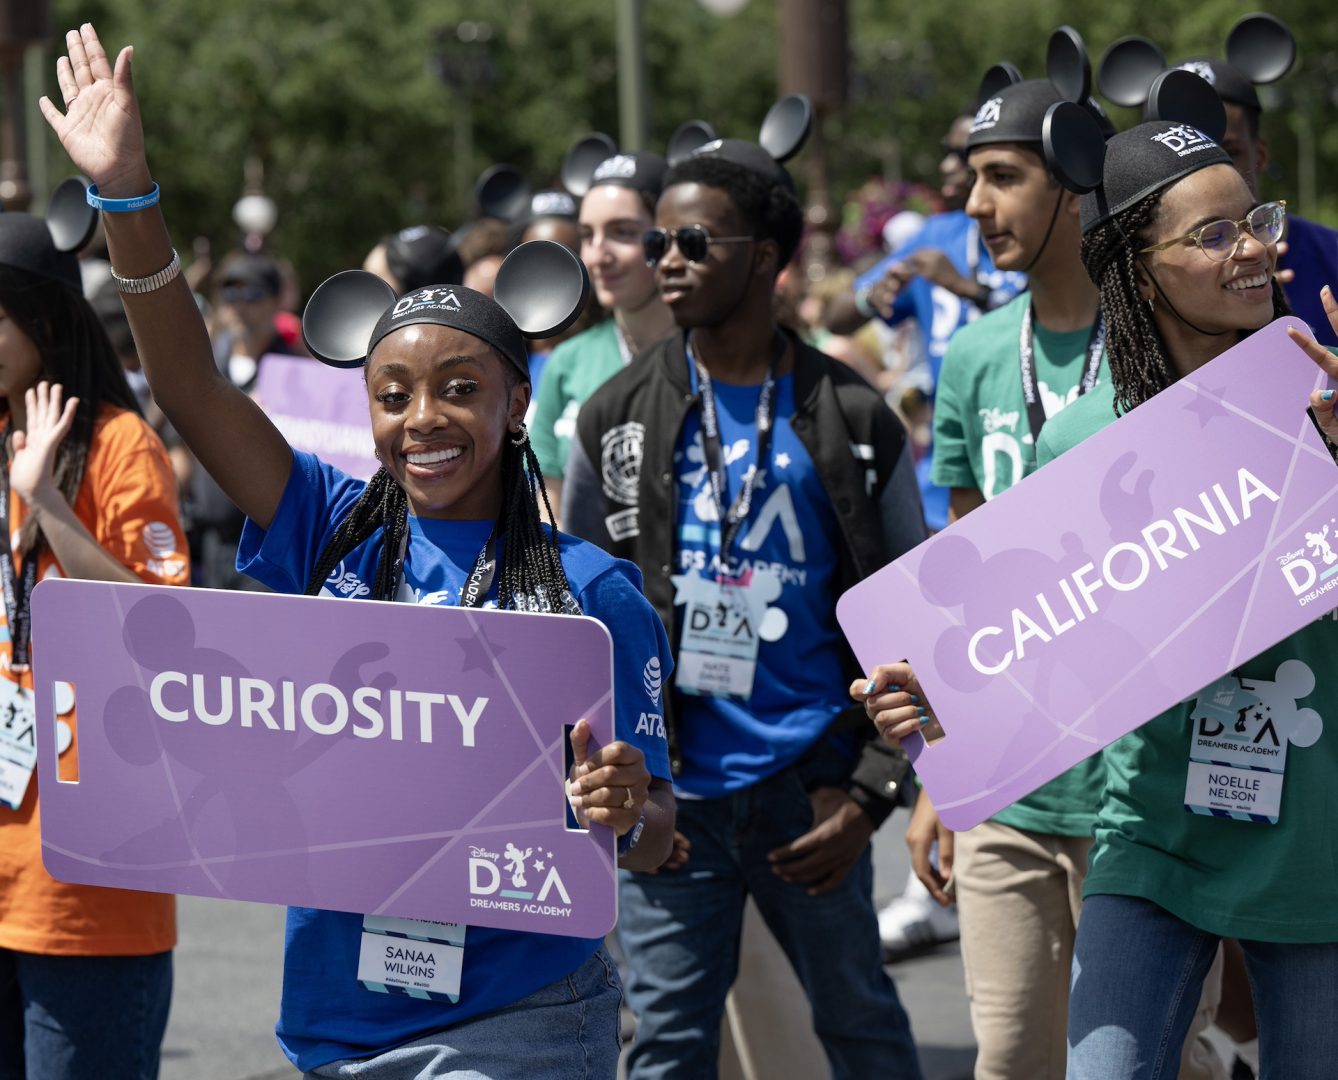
(32, 470)
(100, 128)
(1323, 402)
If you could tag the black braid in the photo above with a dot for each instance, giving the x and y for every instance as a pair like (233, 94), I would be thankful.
(1140, 367)
(382, 505)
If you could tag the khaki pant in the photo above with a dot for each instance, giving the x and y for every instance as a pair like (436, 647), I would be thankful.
(1019, 895)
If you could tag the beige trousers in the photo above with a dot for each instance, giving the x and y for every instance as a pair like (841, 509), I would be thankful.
(1019, 895)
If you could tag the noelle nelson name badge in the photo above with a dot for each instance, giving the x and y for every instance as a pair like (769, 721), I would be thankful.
(386, 759)
(1126, 576)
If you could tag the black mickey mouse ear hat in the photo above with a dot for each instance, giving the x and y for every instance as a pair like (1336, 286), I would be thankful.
(584, 157)
(782, 135)
(424, 255)
(687, 138)
(1013, 114)
(1128, 69)
(1070, 71)
(996, 77)
(46, 246)
(502, 192)
(1180, 136)
(540, 290)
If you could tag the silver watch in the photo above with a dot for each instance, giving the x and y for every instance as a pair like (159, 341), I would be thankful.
(153, 281)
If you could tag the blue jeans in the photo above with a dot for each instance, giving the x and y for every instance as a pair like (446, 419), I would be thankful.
(566, 1031)
(1137, 973)
(82, 1017)
(680, 932)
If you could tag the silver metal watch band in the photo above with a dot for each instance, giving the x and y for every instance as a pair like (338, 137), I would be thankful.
(152, 282)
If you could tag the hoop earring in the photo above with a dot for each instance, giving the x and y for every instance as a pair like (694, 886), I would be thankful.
(521, 435)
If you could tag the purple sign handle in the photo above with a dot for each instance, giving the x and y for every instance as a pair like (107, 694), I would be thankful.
(389, 759)
(1122, 578)
(319, 409)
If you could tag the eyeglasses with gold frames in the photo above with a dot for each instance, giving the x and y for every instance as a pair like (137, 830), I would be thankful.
(1220, 239)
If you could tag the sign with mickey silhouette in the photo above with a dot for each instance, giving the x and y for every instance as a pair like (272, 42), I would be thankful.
(396, 760)
(1130, 574)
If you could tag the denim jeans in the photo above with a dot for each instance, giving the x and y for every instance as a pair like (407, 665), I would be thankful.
(566, 1031)
(82, 1017)
(680, 932)
(1137, 971)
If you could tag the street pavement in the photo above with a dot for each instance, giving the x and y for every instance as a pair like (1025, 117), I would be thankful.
(228, 972)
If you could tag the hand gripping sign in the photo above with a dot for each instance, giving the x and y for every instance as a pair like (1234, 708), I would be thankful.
(1122, 578)
(389, 759)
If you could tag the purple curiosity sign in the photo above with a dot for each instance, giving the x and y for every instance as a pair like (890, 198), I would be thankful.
(1156, 556)
(388, 759)
(319, 409)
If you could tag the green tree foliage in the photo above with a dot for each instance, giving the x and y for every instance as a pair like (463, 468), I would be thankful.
(355, 109)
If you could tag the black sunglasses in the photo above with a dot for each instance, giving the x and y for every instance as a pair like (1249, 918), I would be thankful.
(693, 242)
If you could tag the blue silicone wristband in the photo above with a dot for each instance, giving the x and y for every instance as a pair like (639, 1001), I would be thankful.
(122, 206)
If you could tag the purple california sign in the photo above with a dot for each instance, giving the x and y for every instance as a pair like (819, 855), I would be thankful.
(319, 409)
(378, 758)
(1120, 579)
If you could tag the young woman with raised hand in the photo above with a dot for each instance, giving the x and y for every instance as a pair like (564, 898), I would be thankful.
(447, 387)
(86, 491)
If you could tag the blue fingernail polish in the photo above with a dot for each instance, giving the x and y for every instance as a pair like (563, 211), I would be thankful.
(1326, 396)
(921, 710)
(924, 718)
(915, 700)
(870, 687)
(893, 688)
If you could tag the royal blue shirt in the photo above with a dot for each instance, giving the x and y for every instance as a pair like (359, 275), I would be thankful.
(941, 312)
(324, 1013)
(791, 531)
(1313, 254)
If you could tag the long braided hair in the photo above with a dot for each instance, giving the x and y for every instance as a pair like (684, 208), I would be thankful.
(1140, 366)
(530, 574)
(77, 354)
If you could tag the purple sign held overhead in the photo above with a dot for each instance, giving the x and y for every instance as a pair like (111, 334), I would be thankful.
(319, 409)
(1120, 579)
(388, 759)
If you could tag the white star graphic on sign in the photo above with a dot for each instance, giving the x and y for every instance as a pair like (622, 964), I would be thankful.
(782, 460)
(538, 866)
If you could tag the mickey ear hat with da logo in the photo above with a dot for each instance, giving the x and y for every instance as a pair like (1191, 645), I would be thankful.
(540, 290)
(594, 160)
(784, 131)
(46, 246)
(1185, 121)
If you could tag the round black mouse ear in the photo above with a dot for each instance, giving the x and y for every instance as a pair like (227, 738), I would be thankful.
(687, 138)
(786, 126)
(1067, 65)
(502, 192)
(1185, 98)
(578, 167)
(341, 315)
(69, 218)
(543, 287)
(1262, 47)
(1127, 70)
(996, 77)
(1075, 146)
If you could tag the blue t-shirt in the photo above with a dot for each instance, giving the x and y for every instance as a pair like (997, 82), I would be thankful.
(792, 533)
(325, 1014)
(941, 312)
(1313, 254)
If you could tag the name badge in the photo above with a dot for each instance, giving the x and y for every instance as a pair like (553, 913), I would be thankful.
(411, 956)
(724, 623)
(18, 744)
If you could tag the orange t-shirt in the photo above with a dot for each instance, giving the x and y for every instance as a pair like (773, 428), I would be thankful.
(128, 502)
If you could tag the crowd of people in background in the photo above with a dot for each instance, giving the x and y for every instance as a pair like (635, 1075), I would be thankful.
(726, 433)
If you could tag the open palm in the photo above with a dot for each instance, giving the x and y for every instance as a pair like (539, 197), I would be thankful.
(33, 465)
(100, 128)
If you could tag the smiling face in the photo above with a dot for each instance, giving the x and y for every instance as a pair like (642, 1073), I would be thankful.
(20, 362)
(1013, 200)
(442, 401)
(613, 220)
(1236, 294)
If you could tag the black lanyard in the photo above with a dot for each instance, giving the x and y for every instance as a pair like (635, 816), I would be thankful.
(732, 519)
(1026, 352)
(479, 583)
(18, 593)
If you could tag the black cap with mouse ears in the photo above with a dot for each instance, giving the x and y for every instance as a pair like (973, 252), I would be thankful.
(502, 192)
(584, 157)
(1186, 98)
(47, 246)
(687, 138)
(1128, 69)
(996, 77)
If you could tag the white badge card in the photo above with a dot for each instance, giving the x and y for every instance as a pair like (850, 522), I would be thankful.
(18, 743)
(724, 623)
(411, 956)
(1238, 753)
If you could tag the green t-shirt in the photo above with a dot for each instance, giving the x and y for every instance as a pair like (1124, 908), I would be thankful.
(982, 439)
(576, 370)
(1234, 878)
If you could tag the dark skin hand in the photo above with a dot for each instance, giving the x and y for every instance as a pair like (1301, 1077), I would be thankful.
(823, 856)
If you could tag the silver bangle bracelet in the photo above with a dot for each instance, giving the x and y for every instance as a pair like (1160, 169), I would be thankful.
(148, 284)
